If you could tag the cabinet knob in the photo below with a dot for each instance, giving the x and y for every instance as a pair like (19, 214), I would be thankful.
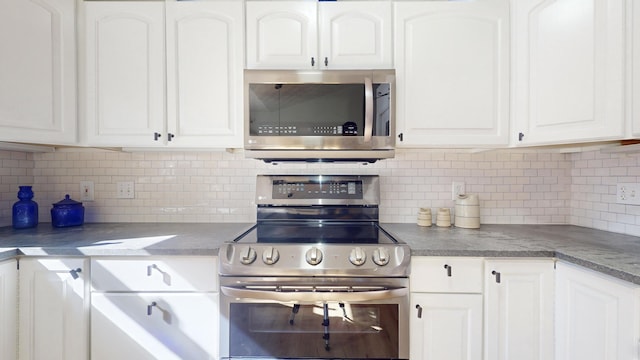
(448, 268)
(166, 277)
(326, 61)
(150, 307)
(419, 311)
(170, 136)
(497, 275)
(401, 136)
(156, 136)
(75, 273)
(520, 136)
(313, 61)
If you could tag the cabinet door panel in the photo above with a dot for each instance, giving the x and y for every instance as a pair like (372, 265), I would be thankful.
(569, 63)
(38, 71)
(281, 35)
(204, 73)
(8, 306)
(519, 309)
(450, 327)
(355, 34)
(597, 317)
(124, 51)
(452, 61)
(53, 309)
(154, 326)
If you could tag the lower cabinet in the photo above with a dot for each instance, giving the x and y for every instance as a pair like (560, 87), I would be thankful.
(8, 306)
(597, 315)
(519, 309)
(53, 309)
(446, 308)
(154, 308)
(154, 326)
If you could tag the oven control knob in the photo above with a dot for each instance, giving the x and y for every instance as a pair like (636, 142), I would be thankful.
(357, 256)
(270, 256)
(381, 256)
(248, 255)
(314, 256)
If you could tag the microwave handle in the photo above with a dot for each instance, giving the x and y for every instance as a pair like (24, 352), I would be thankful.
(368, 109)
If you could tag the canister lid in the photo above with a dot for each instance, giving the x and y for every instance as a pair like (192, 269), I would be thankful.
(67, 201)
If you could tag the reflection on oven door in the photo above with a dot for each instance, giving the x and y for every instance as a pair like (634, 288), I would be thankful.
(322, 330)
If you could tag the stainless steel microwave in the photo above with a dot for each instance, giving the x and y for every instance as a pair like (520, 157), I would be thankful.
(330, 115)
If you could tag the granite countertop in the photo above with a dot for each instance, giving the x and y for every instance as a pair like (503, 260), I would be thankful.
(610, 253)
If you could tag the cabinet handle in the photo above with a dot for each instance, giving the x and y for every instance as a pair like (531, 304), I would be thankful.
(497, 274)
(170, 136)
(166, 277)
(313, 61)
(150, 269)
(156, 136)
(401, 136)
(150, 307)
(448, 270)
(326, 61)
(75, 273)
(419, 311)
(520, 136)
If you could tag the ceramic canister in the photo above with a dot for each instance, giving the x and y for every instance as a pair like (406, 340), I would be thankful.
(467, 211)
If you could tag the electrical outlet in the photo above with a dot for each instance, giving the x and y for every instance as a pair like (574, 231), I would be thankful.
(628, 193)
(126, 190)
(86, 191)
(457, 188)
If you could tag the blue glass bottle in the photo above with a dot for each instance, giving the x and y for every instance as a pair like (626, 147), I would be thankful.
(25, 211)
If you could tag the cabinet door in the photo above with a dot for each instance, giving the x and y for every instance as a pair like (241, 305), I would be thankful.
(519, 305)
(634, 8)
(568, 70)
(38, 71)
(204, 73)
(355, 35)
(8, 306)
(446, 326)
(124, 69)
(597, 316)
(53, 313)
(281, 35)
(154, 326)
(446, 274)
(452, 72)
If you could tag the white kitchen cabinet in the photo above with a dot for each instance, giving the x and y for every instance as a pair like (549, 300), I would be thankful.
(322, 35)
(598, 316)
(38, 72)
(634, 67)
(452, 69)
(446, 308)
(154, 308)
(53, 309)
(8, 306)
(134, 100)
(519, 309)
(568, 62)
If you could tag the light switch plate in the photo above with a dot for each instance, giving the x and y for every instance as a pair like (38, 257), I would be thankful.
(86, 191)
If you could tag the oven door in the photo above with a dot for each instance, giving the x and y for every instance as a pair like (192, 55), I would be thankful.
(314, 318)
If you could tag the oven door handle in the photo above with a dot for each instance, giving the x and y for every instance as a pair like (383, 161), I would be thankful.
(311, 296)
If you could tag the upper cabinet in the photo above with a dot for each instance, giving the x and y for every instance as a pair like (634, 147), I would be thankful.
(452, 73)
(318, 35)
(568, 70)
(133, 99)
(38, 72)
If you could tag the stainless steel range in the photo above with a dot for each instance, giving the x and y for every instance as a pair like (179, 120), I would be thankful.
(316, 277)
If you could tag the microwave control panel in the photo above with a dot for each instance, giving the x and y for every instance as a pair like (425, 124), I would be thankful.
(275, 130)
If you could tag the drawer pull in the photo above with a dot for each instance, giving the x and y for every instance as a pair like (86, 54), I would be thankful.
(497, 274)
(75, 273)
(419, 311)
(150, 307)
(448, 270)
(166, 277)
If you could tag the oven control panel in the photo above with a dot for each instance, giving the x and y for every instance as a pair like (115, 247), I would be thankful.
(314, 259)
(345, 189)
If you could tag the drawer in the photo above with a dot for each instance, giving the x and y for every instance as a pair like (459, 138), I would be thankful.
(184, 273)
(446, 274)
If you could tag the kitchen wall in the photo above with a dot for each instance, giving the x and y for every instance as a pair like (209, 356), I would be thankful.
(515, 186)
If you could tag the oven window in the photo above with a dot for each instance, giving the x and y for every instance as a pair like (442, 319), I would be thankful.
(331, 330)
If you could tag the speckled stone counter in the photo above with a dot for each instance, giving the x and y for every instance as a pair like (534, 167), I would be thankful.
(610, 253)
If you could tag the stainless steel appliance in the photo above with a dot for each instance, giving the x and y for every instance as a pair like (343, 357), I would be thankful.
(319, 115)
(316, 277)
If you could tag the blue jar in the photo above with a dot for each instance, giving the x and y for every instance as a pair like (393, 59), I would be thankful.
(25, 211)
